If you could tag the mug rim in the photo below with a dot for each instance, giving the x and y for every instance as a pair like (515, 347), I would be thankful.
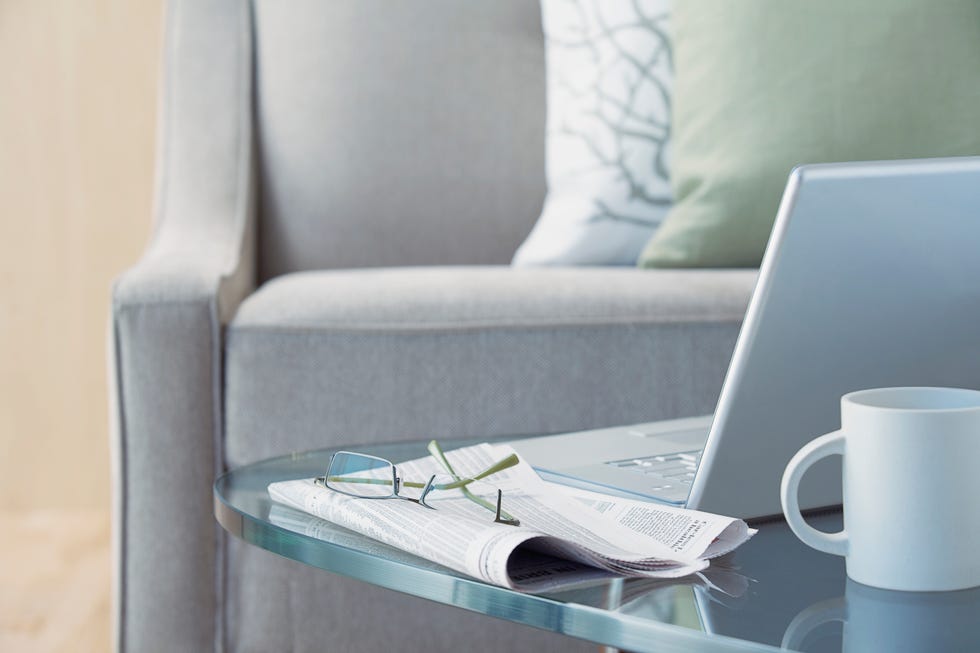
(968, 398)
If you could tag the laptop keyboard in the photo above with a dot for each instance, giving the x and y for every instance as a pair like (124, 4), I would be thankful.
(670, 475)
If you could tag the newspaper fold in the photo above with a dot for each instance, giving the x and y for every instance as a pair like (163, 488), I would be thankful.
(567, 535)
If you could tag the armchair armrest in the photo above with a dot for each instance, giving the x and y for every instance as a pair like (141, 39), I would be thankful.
(167, 317)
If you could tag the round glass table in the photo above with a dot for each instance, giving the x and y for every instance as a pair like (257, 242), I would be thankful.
(772, 593)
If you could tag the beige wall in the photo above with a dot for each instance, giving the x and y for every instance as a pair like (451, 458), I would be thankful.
(77, 112)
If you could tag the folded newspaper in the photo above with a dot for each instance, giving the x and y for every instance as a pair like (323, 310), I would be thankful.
(566, 535)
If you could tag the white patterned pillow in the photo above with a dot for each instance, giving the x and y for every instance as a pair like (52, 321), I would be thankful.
(610, 72)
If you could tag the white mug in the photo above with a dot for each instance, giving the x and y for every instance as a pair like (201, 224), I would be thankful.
(911, 460)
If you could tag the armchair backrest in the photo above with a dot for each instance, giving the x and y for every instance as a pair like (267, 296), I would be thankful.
(397, 132)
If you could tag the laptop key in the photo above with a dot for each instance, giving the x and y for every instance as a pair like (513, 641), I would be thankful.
(666, 471)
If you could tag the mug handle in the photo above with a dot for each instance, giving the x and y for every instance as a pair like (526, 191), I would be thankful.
(807, 621)
(826, 445)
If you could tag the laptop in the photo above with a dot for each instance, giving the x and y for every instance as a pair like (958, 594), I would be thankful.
(871, 278)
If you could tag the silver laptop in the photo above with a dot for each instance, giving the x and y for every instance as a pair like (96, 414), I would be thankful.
(871, 278)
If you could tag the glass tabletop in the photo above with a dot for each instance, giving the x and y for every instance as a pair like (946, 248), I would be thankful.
(772, 593)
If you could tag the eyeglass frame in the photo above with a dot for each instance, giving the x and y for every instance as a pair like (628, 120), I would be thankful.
(396, 481)
(500, 516)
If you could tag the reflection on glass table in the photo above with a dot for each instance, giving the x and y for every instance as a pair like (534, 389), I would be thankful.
(772, 592)
(898, 622)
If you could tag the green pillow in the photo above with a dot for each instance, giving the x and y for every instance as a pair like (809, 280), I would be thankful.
(765, 85)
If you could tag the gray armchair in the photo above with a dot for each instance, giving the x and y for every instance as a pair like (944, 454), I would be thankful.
(341, 186)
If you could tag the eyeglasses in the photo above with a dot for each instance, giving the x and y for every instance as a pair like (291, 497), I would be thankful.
(370, 477)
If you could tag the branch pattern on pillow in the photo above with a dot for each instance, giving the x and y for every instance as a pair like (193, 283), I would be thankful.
(610, 73)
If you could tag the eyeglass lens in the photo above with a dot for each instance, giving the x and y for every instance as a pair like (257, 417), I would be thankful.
(361, 475)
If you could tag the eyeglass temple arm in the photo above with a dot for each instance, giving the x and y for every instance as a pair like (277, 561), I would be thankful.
(501, 516)
(436, 451)
(374, 481)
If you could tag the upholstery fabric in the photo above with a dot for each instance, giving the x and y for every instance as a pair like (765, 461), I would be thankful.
(397, 133)
(167, 314)
(321, 358)
(764, 85)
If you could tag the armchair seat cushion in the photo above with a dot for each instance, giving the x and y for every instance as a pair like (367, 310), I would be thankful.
(316, 359)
